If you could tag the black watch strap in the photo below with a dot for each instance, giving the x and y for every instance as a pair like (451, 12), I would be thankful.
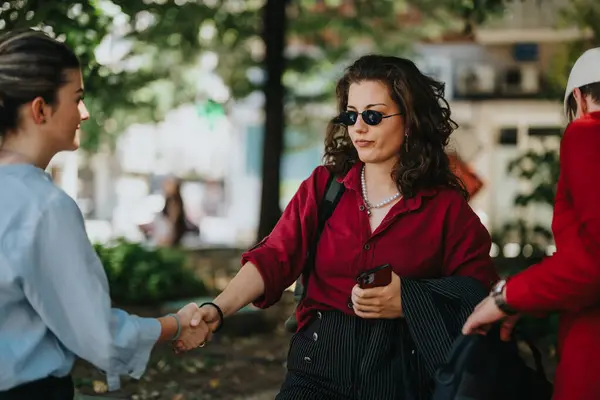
(502, 305)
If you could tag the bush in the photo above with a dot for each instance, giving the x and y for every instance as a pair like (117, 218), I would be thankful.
(140, 276)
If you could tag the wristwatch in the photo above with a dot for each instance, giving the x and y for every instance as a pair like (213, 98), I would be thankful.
(498, 297)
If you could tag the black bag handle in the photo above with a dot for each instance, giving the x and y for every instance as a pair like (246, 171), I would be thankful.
(535, 352)
(460, 351)
(457, 358)
(333, 193)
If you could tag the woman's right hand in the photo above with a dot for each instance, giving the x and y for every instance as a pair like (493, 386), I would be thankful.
(204, 319)
(194, 332)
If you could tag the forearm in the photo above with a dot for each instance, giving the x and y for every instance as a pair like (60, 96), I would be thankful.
(245, 287)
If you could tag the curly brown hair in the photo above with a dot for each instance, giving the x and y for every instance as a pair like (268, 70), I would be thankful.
(423, 162)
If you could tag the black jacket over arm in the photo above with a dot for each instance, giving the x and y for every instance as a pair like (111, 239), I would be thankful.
(435, 311)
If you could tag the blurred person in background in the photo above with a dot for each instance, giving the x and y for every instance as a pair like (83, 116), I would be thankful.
(402, 205)
(54, 294)
(170, 225)
(569, 280)
(213, 199)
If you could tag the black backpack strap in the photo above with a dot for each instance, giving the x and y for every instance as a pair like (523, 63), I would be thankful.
(333, 193)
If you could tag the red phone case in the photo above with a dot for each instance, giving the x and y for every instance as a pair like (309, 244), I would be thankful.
(376, 277)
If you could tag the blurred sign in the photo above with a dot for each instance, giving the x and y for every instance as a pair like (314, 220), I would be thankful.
(211, 110)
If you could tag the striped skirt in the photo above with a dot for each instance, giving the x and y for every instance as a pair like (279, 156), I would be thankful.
(340, 357)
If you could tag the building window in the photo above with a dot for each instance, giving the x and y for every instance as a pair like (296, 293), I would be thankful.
(525, 52)
(545, 131)
(508, 137)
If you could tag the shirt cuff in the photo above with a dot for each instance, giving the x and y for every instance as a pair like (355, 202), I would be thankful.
(149, 330)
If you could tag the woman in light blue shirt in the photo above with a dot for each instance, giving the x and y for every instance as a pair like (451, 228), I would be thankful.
(54, 295)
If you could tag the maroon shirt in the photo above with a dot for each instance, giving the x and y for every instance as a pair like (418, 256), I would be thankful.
(434, 234)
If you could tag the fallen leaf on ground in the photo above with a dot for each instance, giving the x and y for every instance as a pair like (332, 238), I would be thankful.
(100, 387)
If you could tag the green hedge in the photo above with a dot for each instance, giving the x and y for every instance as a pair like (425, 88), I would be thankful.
(139, 276)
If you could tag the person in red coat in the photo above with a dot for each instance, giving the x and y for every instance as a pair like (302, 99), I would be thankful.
(569, 280)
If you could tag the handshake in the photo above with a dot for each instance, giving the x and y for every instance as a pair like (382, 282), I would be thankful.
(197, 326)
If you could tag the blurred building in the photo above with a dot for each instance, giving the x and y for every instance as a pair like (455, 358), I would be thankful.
(499, 91)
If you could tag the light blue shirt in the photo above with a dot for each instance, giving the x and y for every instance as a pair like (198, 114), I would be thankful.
(54, 295)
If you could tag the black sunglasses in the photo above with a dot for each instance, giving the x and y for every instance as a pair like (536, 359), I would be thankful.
(371, 117)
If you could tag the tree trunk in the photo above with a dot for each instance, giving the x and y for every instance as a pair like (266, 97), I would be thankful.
(274, 26)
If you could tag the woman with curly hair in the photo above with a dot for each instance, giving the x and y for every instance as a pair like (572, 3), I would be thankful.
(401, 206)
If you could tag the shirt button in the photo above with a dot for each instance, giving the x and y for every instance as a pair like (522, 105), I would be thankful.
(319, 315)
(315, 336)
(367, 246)
(350, 305)
(307, 360)
(361, 208)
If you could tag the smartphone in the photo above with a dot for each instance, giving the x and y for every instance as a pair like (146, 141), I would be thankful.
(376, 277)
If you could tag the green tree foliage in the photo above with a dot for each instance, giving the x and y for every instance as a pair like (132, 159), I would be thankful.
(584, 15)
(541, 170)
(165, 38)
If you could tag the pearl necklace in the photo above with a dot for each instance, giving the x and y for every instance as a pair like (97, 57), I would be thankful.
(366, 199)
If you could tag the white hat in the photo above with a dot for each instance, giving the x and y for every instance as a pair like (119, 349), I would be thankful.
(585, 71)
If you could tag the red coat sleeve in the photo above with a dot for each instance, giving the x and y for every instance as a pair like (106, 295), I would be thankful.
(280, 257)
(467, 244)
(569, 280)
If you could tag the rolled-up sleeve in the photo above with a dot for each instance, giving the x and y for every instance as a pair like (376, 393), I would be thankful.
(67, 286)
(281, 256)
